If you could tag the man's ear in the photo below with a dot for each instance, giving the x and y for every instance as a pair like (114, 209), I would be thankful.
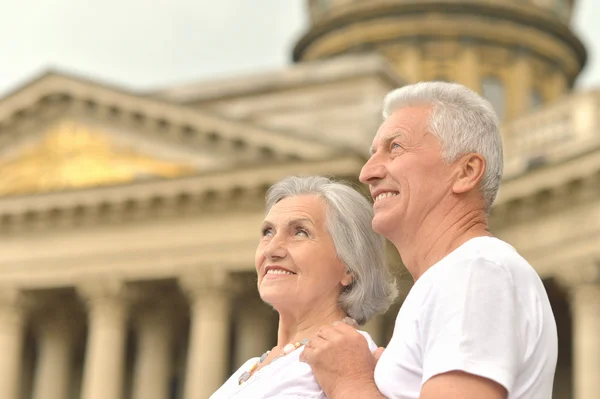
(469, 172)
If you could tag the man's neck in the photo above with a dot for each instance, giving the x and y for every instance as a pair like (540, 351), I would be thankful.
(438, 236)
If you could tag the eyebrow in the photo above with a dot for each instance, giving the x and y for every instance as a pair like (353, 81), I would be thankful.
(387, 139)
(291, 222)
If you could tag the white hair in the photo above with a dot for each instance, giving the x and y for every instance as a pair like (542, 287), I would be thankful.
(463, 122)
(349, 217)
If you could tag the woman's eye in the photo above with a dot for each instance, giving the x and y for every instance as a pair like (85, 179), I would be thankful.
(267, 231)
(301, 232)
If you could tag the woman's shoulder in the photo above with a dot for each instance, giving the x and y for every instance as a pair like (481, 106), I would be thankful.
(372, 344)
(231, 386)
(290, 377)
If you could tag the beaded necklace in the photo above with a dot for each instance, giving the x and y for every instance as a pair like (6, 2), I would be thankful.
(289, 348)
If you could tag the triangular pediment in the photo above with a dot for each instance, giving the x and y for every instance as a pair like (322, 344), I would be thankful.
(60, 132)
(70, 155)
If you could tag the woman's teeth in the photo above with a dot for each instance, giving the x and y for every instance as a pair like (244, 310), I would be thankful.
(278, 271)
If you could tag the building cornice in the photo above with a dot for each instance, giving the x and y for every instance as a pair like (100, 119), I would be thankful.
(549, 189)
(231, 189)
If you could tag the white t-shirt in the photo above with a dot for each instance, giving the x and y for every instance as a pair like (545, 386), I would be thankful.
(482, 310)
(285, 378)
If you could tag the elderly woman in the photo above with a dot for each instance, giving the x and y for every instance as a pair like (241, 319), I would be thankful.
(318, 262)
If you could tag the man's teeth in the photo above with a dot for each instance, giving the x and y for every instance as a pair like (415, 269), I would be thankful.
(385, 195)
(278, 271)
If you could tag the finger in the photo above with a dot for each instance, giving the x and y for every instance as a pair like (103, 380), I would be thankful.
(311, 348)
(377, 353)
(344, 328)
(328, 332)
(316, 342)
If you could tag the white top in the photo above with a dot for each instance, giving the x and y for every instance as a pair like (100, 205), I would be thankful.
(482, 310)
(285, 378)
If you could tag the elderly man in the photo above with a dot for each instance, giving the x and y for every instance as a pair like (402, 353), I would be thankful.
(477, 323)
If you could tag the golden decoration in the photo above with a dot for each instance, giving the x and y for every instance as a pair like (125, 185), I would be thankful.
(71, 156)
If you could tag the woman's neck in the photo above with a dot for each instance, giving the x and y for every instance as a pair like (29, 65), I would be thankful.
(295, 327)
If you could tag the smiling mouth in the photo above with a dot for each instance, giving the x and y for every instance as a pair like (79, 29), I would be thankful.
(385, 195)
(274, 270)
(278, 271)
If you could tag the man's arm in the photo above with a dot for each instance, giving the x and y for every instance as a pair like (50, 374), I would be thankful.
(472, 346)
(344, 366)
(452, 385)
(461, 385)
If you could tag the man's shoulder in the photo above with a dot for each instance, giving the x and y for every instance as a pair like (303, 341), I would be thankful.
(488, 253)
(474, 266)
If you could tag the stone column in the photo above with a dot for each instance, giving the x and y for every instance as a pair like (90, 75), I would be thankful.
(467, 71)
(12, 325)
(255, 328)
(520, 86)
(558, 85)
(209, 293)
(410, 61)
(586, 340)
(52, 378)
(105, 349)
(154, 357)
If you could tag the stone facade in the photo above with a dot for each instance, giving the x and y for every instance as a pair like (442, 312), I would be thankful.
(128, 222)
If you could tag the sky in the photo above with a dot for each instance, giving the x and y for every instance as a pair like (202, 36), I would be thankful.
(145, 45)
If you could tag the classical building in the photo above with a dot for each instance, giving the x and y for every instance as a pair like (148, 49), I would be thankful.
(129, 221)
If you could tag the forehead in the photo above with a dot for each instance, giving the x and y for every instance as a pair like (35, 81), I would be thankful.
(310, 207)
(408, 123)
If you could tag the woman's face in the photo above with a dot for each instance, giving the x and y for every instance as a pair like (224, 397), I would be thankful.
(296, 260)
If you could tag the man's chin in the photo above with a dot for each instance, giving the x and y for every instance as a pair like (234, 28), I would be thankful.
(381, 225)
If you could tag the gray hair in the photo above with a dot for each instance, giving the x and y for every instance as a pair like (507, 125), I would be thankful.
(349, 217)
(462, 121)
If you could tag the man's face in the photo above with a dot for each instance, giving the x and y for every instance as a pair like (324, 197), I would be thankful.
(406, 173)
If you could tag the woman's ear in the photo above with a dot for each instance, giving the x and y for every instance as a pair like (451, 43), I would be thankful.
(347, 279)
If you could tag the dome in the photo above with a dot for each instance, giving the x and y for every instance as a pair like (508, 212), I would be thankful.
(518, 53)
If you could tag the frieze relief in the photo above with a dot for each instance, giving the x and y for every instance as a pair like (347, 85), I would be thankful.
(72, 156)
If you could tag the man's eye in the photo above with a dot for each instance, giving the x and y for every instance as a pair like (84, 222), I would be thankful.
(393, 146)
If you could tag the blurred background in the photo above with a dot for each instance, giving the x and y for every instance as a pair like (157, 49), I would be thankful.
(137, 141)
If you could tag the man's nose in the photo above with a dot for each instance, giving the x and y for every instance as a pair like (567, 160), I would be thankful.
(373, 170)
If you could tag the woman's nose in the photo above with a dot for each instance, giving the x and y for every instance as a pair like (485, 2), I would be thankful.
(275, 249)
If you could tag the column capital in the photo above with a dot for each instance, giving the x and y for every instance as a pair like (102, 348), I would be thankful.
(587, 294)
(588, 273)
(101, 289)
(14, 304)
(57, 319)
(208, 281)
(107, 301)
(154, 313)
(14, 297)
(246, 284)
